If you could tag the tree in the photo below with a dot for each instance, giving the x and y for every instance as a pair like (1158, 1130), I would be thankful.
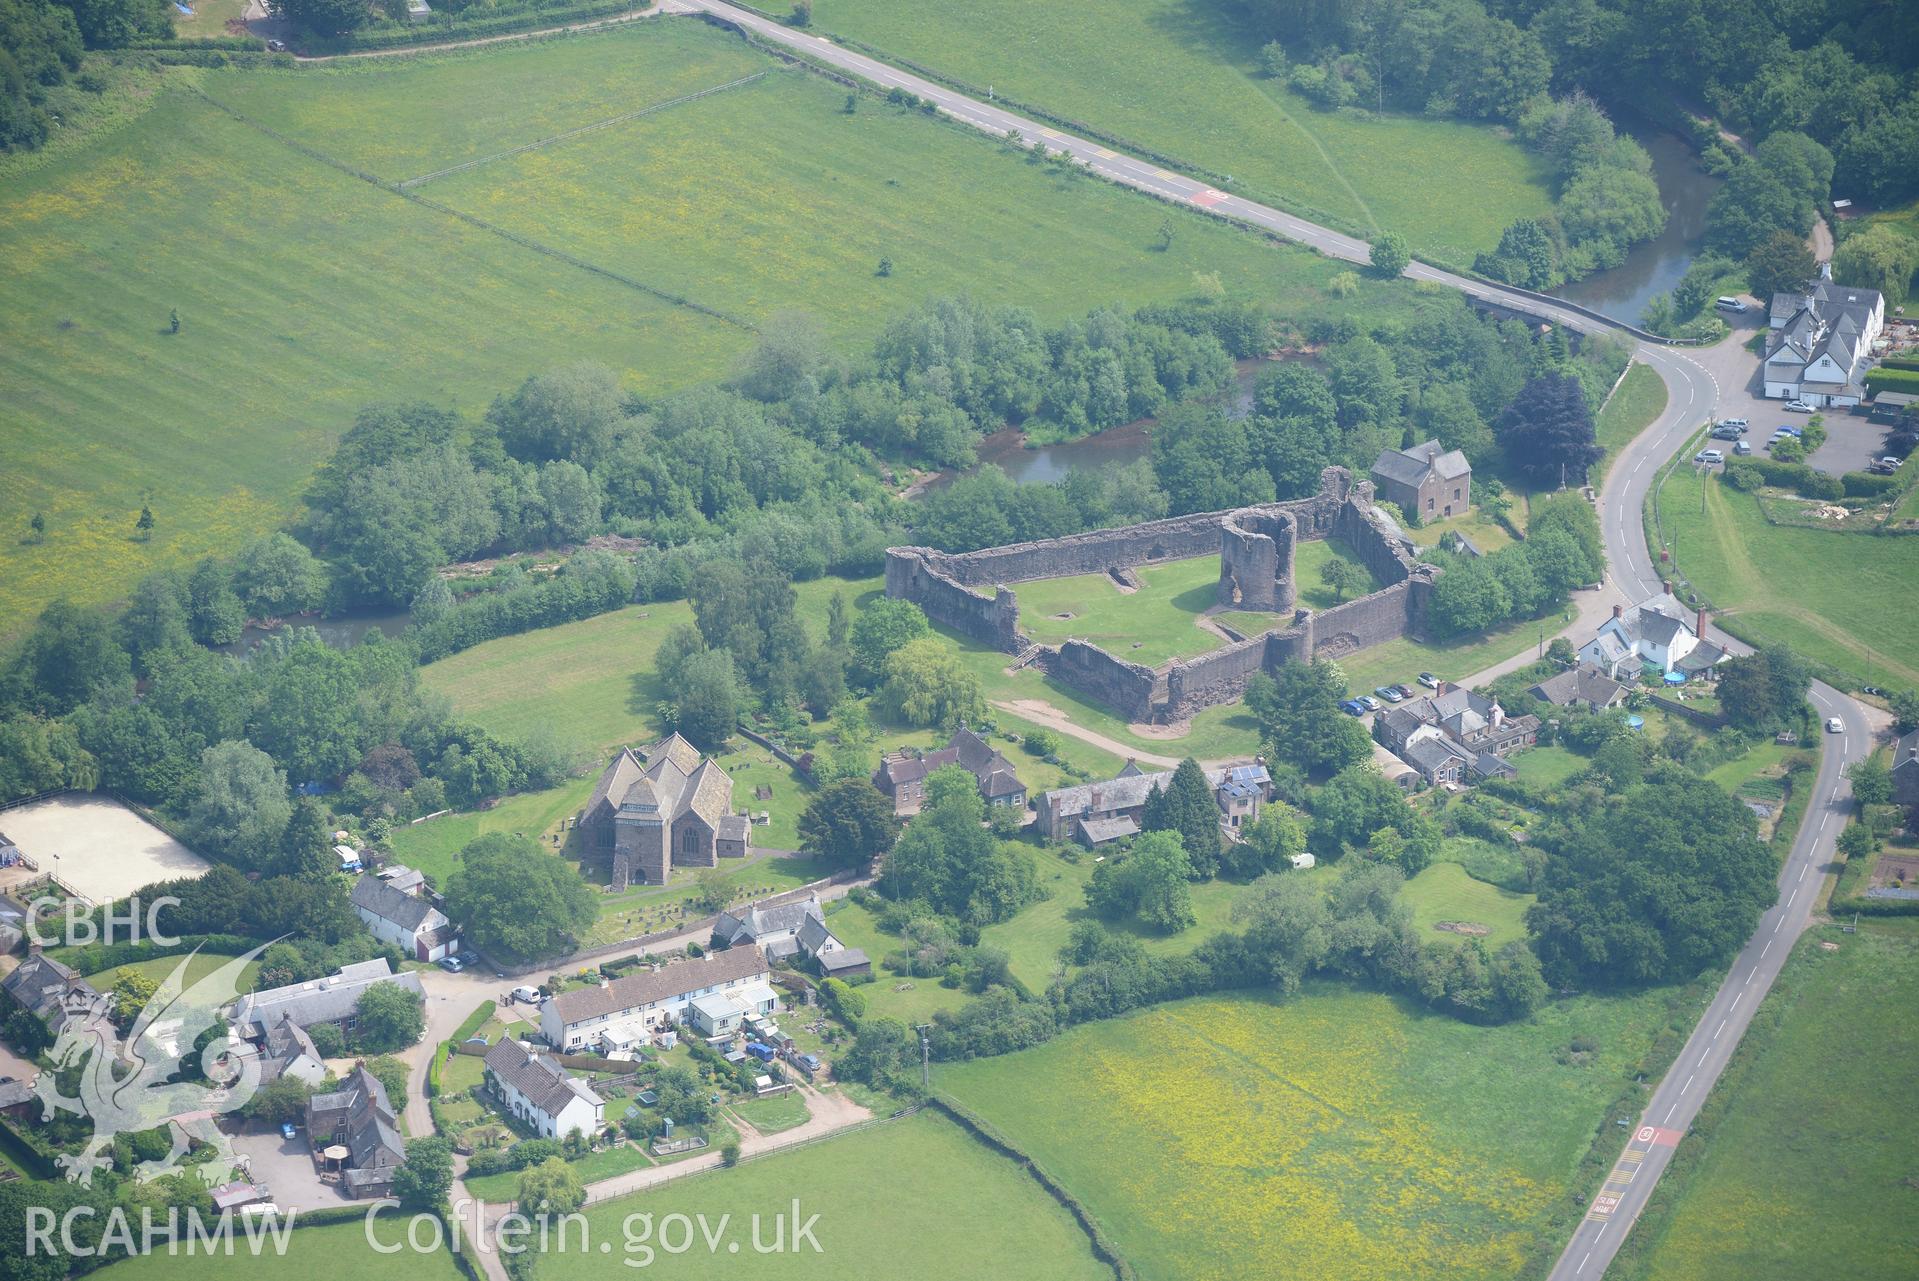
(70, 655)
(1547, 431)
(1160, 874)
(306, 847)
(1778, 264)
(37, 528)
(215, 615)
(1390, 254)
(240, 807)
(850, 822)
(1268, 843)
(954, 864)
(1288, 926)
(131, 992)
(323, 17)
(1355, 803)
(1344, 576)
(1653, 886)
(927, 684)
(1880, 257)
(881, 628)
(392, 1076)
(1764, 690)
(387, 1018)
(1905, 709)
(1188, 809)
(518, 901)
(1300, 720)
(280, 1100)
(275, 575)
(424, 1179)
(143, 527)
(551, 1188)
(707, 710)
(1871, 782)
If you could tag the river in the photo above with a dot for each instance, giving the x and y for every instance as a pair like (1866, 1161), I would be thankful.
(1655, 266)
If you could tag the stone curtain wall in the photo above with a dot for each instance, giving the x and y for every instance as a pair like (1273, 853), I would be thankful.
(1127, 688)
(919, 574)
(1256, 547)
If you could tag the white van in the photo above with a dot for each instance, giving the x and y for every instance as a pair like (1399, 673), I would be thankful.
(527, 995)
(1726, 302)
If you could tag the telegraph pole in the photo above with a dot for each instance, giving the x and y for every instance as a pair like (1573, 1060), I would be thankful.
(926, 1061)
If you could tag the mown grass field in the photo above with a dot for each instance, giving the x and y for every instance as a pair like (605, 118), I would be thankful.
(1178, 76)
(333, 1249)
(1340, 1135)
(1831, 596)
(909, 1198)
(305, 293)
(1803, 1162)
(1444, 892)
(160, 967)
(1158, 622)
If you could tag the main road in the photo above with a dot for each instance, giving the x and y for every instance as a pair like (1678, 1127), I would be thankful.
(1693, 382)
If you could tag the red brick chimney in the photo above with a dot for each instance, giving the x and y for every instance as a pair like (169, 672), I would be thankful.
(1700, 630)
(1618, 611)
(1665, 585)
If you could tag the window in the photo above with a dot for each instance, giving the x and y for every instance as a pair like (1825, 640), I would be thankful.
(1429, 503)
(1455, 494)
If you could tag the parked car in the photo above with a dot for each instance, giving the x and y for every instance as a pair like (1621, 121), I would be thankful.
(1787, 429)
(1353, 707)
(1709, 456)
(1368, 702)
(1880, 467)
(1726, 302)
(1429, 680)
(1740, 423)
(1403, 690)
(1834, 725)
(288, 1130)
(1726, 431)
(1893, 461)
(1742, 447)
(277, 46)
(452, 964)
(1797, 407)
(1390, 694)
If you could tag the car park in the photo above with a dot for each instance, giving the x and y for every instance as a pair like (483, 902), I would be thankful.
(1797, 407)
(1429, 680)
(1390, 694)
(1709, 456)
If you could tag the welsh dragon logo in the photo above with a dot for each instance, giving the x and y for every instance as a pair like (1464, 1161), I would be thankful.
(134, 1085)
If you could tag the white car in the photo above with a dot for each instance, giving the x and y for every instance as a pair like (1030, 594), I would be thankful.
(1797, 407)
(1834, 725)
(1709, 456)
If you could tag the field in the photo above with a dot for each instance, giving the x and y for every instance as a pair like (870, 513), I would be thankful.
(333, 1249)
(1802, 1163)
(1342, 1133)
(909, 1198)
(209, 18)
(305, 293)
(1451, 188)
(1831, 596)
(1444, 892)
(1158, 622)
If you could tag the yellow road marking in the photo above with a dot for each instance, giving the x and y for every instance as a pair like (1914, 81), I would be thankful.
(1103, 153)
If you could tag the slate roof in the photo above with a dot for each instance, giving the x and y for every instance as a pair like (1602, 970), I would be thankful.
(1430, 755)
(652, 986)
(674, 780)
(287, 1040)
(371, 894)
(1581, 684)
(1826, 320)
(995, 774)
(48, 988)
(1098, 831)
(736, 827)
(327, 1000)
(546, 1085)
(1905, 751)
(1411, 466)
(1702, 656)
(403, 878)
(846, 958)
(753, 923)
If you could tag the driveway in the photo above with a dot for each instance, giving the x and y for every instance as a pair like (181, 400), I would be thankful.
(286, 1168)
(1851, 443)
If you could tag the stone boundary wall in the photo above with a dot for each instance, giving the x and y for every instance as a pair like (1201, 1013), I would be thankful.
(1128, 688)
(921, 575)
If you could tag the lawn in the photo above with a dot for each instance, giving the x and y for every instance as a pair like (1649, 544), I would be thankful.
(208, 20)
(1444, 892)
(1344, 1132)
(157, 969)
(904, 997)
(433, 846)
(1802, 1162)
(1158, 622)
(1833, 597)
(1548, 766)
(910, 1198)
(1311, 557)
(305, 293)
(1400, 661)
(1639, 400)
(331, 1249)
(776, 1113)
(1451, 188)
